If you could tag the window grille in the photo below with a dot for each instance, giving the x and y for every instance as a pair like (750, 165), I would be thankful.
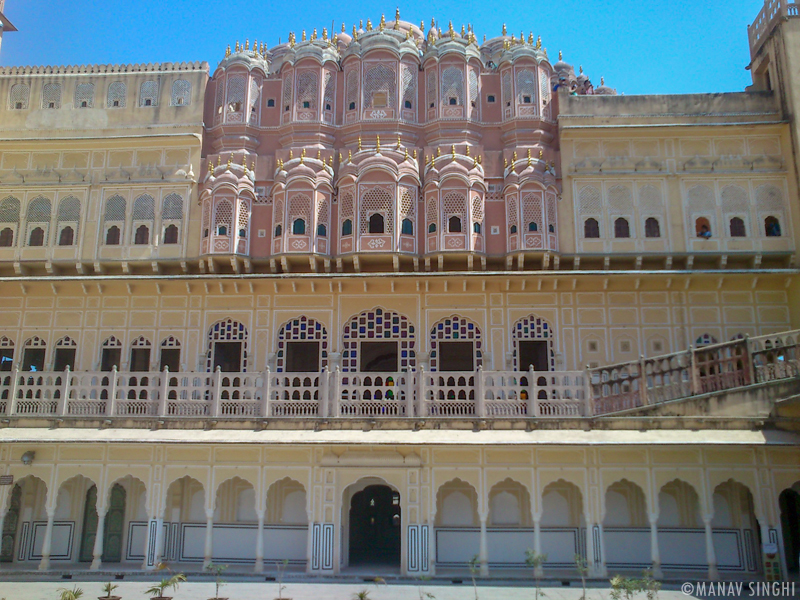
(224, 215)
(171, 342)
(473, 92)
(287, 91)
(430, 87)
(236, 87)
(206, 216)
(322, 212)
(141, 342)
(39, 210)
(299, 206)
(181, 93)
(737, 227)
(650, 200)
(408, 201)
(142, 236)
(219, 101)
(551, 213)
(455, 328)
(84, 95)
(591, 228)
(380, 79)
(769, 197)
(620, 200)
(117, 95)
(226, 331)
(244, 218)
(9, 210)
(51, 95)
(506, 88)
(589, 200)
(148, 93)
(346, 204)
(622, 228)
(533, 211)
(734, 199)
(35, 342)
(278, 217)
(19, 96)
(172, 208)
(477, 209)
(454, 204)
(66, 342)
(453, 86)
(511, 203)
(376, 200)
(526, 87)
(378, 324)
(533, 328)
(701, 198)
(329, 91)
(307, 90)
(301, 329)
(652, 228)
(408, 82)
(144, 208)
(705, 340)
(544, 87)
(432, 212)
(69, 211)
(115, 209)
(352, 89)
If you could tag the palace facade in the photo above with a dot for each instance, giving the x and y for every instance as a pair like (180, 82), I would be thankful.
(393, 298)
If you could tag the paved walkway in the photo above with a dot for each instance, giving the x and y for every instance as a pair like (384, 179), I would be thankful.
(130, 590)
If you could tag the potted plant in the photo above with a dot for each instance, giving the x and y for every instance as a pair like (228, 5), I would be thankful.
(217, 571)
(72, 594)
(281, 571)
(156, 592)
(108, 588)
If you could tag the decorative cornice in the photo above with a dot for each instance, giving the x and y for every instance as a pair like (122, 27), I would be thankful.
(104, 69)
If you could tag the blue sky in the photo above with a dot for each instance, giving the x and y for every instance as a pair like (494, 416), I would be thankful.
(640, 47)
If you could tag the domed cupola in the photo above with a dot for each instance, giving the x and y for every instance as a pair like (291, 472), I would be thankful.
(604, 90)
(227, 197)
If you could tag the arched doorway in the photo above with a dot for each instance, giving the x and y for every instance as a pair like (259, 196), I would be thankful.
(113, 529)
(375, 526)
(790, 524)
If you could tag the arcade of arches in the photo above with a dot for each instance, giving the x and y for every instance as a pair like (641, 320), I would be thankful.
(400, 507)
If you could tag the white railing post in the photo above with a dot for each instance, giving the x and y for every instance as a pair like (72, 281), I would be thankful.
(265, 400)
(337, 392)
(112, 399)
(643, 381)
(693, 374)
(63, 404)
(163, 399)
(533, 396)
(12, 401)
(421, 397)
(324, 393)
(589, 400)
(409, 392)
(215, 408)
(480, 393)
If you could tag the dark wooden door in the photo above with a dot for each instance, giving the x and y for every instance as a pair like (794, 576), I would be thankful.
(114, 525)
(10, 525)
(89, 531)
(375, 526)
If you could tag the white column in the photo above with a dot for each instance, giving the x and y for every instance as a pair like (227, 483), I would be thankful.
(537, 541)
(209, 546)
(310, 542)
(483, 553)
(259, 566)
(654, 553)
(157, 540)
(589, 545)
(47, 543)
(97, 551)
(602, 570)
(431, 546)
(711, 555)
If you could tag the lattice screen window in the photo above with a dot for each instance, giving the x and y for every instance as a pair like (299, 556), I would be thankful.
(506, 88)
(117, 95)
(512, 213)
(141, 342)
(453, 86)
(455, 328)
(66, 342)
(351, 90)
(35, 342)
(589, 201)
(69, 211)
(346, 205)
(473, 92)
(432, 213)
(735, 202)
(115, 209)
(701, 202)
(39, 210)
(376, 200)
(533, 328)
(219, 101)
(705, 340)
(408, 82)
(322, 212)
(454, 205)
(329, 91)
(277, 217)
(430, 88)
(307, 90)
(380, 87)
(298, 207)
(206, 217)
(84, 95)
(544, 87)
(551, 213)
(477, 211)
(287, 91)
(172, 208)
(526, 87)
(302, 329)
(223, 218)
(375, 325)
(181, 93)
(253, 98)
(408, 201)
(144, 208)
(533, 212)
(9, 210)
(226, 331)
(243, 218)
(51, 95)
(650, 202)
(236, 88)
(620, 200)
(19, 97)
(148, 93)
(171, 342)
(112, 342)
(769, 198)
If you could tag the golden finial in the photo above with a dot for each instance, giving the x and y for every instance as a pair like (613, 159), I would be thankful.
(439, 151)
(398, 142)
(236, 48)
(530, 38)
(480, 159)
(319, 154)
(545, 53)
(505, 31)
(602, 80)
(397, 18)
(349, 156)
(529, 157)
(359, 143)
(302, 153)
(467, 150)
(335, 39)
(355, 33)
(422, 26)
(314, 34)
(343, 29)
(247, 44)
(474, 161)
(253, 166)
(433, 23)
(408, 34)
(378, 144)
(230, 161)
(369, 25)
(433, 161)
(484, 37)
(463, 32)
(539, 43)
(541, 153)
(560, 55)
(280, 165)
(325, 33)
(415, 154)
(303, 38)
(244, 161)
(514, 156)
(580, 69)
(219, 159)
(341, 157)
(255, 46)
(302, 159)
(513, 39)
(228, 51)
(211, 167)
(431, 37)
(506, 45)
(522, 37)
(405, 156)
(291, 154)
(505, 162)
(382, 24)
(453, 151)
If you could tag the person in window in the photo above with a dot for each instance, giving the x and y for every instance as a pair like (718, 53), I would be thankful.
(705, 232)
(773, 228)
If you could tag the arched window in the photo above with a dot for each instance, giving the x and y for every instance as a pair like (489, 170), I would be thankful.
(621, 228)
(652, 228)
(51, 95)
(454, 225)
(7, 237)
(278, 231)
(20, 95)
(513, 229)
(36, 237)
(222, 230)
(67, 236)
(171, 234)
(116, 95)
(181, 93)
(84, 95)
(591, 228)
(347, 227)
(432, 228)
(476, 227)
(322, 231)
(533, 226)
(772, 227)
(142, 237)
(148, 93)
(112, 236)
(737, 227)
(407, 227)
(376, 223)
(299, 227)
(702, 227)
